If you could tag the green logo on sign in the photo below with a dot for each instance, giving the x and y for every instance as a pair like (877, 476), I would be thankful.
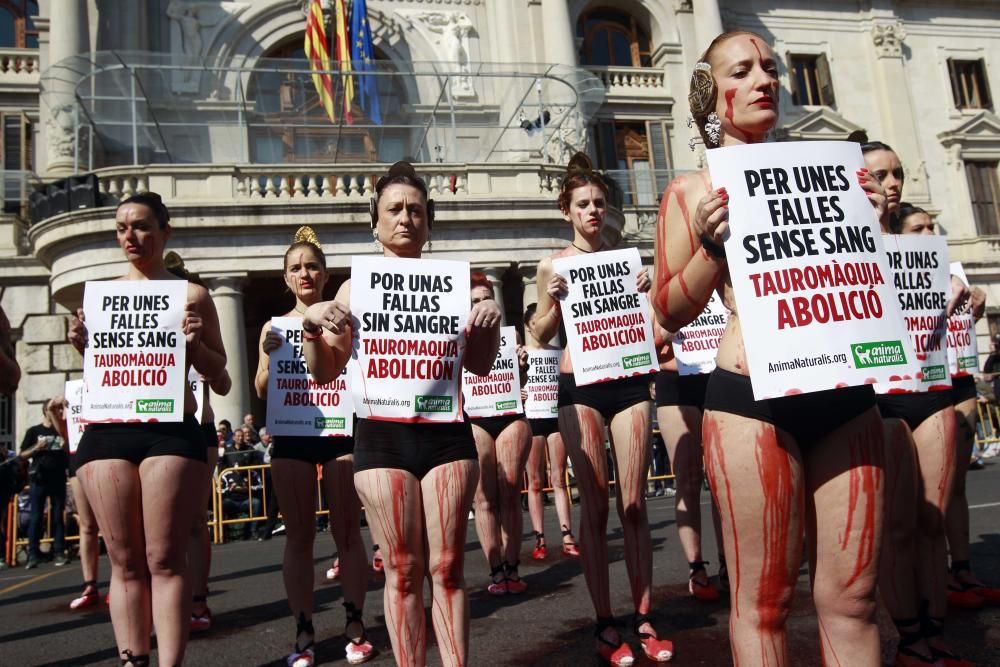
(333, 423)
(635, 361)
(506, 405)
(433, 403)
(881, 353)
(154, 406)
(967, 362)
(932, 373)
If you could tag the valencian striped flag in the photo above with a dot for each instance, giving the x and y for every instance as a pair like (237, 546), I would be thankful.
(362, 57)
(344, 57)
(318, 54)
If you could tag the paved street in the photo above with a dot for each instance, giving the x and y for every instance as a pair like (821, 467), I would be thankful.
(550, 625)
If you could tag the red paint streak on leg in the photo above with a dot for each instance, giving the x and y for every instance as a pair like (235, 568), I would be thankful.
(446, 486)
(826, 645)
(852, 498)
(715, 458)
(397, 558)
(866, 477)
(641, 580)
(777, 485)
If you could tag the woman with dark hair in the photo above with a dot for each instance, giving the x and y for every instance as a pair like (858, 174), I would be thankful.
(502, 443)
(139, 476)
(546, 444)
(294, 461)
(417, 480)
(779, 469)
(623, 406)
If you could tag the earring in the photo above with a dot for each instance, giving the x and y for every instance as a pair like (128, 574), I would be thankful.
(713, 128)
(378, 244)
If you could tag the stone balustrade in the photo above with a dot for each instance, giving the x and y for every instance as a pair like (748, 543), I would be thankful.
(631, 81)
(19, 67)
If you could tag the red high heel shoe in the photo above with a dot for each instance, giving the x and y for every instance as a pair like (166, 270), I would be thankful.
(701, 589)
(539, 552)
(569, 548)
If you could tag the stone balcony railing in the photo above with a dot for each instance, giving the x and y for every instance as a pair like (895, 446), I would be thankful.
(19, 68)
(631, 82)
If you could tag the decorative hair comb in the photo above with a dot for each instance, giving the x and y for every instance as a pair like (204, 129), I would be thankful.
(305, 234)
(702, 94)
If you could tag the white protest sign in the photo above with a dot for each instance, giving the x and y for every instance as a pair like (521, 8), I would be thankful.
(609, 332)
(499, 392)
(963, 348)
(809, 269)
(133, 367)
(74, 408)
(919, 265)
(409, 338)
(696, 345)
(296, 404)
(197, 385)
(543, 384)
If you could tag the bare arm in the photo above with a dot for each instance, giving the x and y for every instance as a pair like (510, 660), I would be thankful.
(548, 314)
(268, 343)
(201, 327)
(482, 335)
(222, 383)
(327, 354)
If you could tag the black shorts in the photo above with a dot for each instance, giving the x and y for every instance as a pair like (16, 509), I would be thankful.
(416, 448)
(211, 435)
(494, 425)
(806, 417)
(913, 408)
(544, 427)
(608, 398)
(315, 449)
(672, 388)
(136, 442)
(963, 388)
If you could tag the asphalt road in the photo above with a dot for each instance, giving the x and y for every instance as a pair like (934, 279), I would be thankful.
(550, 625)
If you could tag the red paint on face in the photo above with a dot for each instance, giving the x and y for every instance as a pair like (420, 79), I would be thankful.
(777, 483)
(747, 136)
(760, 58)
(715, 458)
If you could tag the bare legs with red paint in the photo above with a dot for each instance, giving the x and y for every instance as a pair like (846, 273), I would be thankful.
(553, 450)
(90, 545)
(200, 547)
(957, 519)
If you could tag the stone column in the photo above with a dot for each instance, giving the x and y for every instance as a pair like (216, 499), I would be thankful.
(560, 39)
(493, 274)
(227, 293)
(67, 37)
(896, 108)
(707, 22)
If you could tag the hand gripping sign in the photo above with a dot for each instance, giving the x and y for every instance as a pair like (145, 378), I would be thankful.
(542, 385)
(133, 367)
(409, 338)
(74, 407)
(919, 266)
(963, 349)
(296, 404)
(609, 332)
(808, 268)
(498, 393)
(696, 345)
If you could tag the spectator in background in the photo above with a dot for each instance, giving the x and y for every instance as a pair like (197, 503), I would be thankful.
(248, 424)
(13, 475)
(991, 369)
(242, 489)
(225, 430)
(47, 476)
(10, 372)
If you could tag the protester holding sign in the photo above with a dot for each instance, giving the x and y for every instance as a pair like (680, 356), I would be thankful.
(139, 475)
(765, 458)
(294, 461)
(415, 457)
(623, 404)
(493, 404)
(680, 399)
(920, 427)
(541, 407)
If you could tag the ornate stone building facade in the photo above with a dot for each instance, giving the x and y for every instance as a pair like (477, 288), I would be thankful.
(206, 102)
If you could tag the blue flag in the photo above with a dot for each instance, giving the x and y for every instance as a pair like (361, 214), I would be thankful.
(362, 60)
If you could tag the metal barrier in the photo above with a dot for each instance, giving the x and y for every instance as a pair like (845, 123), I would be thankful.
(988, 432)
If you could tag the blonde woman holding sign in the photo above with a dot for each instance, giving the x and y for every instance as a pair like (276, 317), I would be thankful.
(294, 461)
(780, 468)
(921, 430)
(139, 476)
(623, 406)
(502, 443)
(417, 480)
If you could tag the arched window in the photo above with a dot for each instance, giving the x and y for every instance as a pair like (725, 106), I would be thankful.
(16, 27)
(613, 38)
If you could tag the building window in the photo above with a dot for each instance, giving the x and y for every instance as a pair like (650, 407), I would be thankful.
(985, 195)
(634, 155)
(810, 80)
(16, 26)
(613, 38)
(969, 87)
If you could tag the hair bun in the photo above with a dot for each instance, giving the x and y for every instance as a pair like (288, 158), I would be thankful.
(173, 261)
(579, 164)
(305, 234)
(402, 168)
